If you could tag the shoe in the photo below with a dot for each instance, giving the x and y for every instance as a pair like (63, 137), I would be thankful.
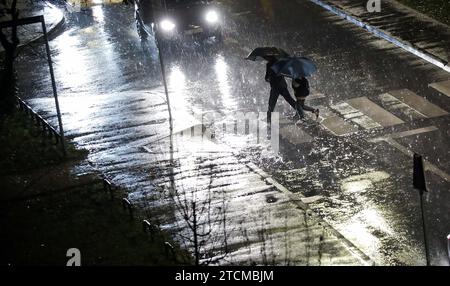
(316, 112)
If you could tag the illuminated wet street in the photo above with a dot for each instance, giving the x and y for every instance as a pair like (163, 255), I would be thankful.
(339, 191)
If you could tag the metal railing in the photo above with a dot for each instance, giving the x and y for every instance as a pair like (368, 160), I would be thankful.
(33, 20)
(46, 129)
(148, 227)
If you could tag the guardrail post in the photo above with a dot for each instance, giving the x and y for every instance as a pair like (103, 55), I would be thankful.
(169, 249)
(126, 204)
(148, 227)
(55, 93)
(107, 187)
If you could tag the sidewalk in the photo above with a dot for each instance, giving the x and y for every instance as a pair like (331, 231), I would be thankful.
(399, 24)
(54, 18)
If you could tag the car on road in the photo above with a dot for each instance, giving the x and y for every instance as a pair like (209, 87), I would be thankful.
(173, 20)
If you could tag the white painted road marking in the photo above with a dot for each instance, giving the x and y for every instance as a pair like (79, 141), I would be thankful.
(443, 87)
(310, 200)
(414, 132)
(374, 111)
(349, 112)
(333, 123)
(392, 104)
(405, 133)
(418, 103)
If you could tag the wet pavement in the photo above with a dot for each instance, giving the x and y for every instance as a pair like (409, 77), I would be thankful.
(352, 167)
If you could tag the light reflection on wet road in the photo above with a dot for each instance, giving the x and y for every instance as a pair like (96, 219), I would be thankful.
(113, 105)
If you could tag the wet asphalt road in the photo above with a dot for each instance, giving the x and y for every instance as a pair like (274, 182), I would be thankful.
(358, 177)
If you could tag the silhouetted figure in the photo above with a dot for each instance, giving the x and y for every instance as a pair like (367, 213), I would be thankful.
(278, 86)
(301, 91)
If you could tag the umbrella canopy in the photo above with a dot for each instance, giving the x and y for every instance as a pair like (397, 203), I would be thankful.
(294, 67)
(264, 52)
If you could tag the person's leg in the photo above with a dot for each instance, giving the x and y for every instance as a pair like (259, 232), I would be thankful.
(272, 103)
(287, 96)
(303, 107)
(311, 109)
(308, 108)
(299, 106)
(273, 99)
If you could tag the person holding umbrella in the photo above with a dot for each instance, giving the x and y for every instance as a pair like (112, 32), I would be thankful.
(279, 65)
(278, 86)
(297, 68)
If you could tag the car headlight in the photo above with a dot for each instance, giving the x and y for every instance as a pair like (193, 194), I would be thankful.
(212, 17)
(167, 25)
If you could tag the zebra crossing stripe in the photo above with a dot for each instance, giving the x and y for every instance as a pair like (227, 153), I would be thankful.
(418, 103)
(393, 104)
(333, 123)
(405, 133)
(414, 132)
(353, 114)
(443, 87)
(374, 111)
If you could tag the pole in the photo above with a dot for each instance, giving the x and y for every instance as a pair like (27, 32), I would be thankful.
(420, 184)
(55, 93)
(448, 247)
(427, 254)
(163, 72)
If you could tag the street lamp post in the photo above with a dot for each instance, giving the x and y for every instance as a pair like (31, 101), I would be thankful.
(55, 93)
(163, 72)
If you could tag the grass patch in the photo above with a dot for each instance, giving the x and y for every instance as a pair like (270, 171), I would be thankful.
(436, 9)
(39, 231)
(23, 148)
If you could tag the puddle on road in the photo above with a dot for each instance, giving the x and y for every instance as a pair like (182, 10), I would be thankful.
(360, 183)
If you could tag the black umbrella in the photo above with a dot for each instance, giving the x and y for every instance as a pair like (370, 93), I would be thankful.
(294, 67)
(264, 52)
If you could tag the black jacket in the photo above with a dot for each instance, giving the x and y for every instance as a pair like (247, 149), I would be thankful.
(300, 87)
(274, 80)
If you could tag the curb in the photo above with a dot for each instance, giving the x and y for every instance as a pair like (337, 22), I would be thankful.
(55, 27)
(50, 31)
(382, 34)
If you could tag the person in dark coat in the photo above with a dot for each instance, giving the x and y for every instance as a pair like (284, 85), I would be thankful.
(301, 91)
(278, 86)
